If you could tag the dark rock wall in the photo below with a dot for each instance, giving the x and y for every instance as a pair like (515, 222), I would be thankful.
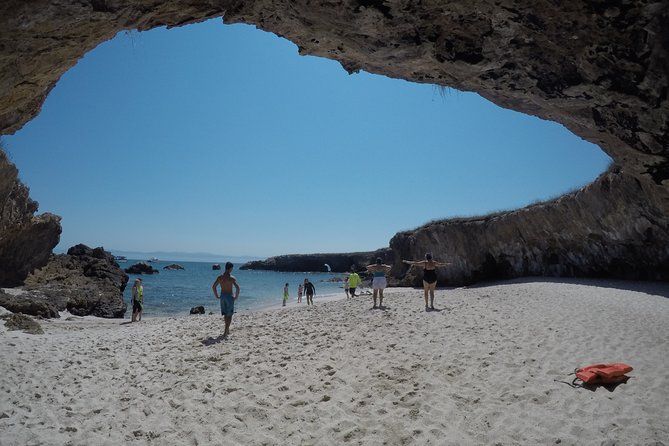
(339, 263)
(598, 67)
(614, 227)
(26, 239)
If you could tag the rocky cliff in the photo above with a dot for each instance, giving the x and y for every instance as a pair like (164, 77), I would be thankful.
(316, 262)
(84, 281)
(601, 68)
(26, 239)
(614, 227)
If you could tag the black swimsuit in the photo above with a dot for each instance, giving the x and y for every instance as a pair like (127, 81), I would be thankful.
(430, 276)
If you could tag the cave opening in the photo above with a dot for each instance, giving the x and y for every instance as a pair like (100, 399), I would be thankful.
(154, 129)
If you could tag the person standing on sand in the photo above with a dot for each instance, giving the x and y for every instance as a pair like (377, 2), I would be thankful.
(353, 282)
(429, 276)
(226, 281)
(346, 286)
(137, 300)
(310, 290)
(299, 293)
(379, 281)
(285, 294)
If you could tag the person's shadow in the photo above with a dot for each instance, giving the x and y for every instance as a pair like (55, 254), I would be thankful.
(211, 341)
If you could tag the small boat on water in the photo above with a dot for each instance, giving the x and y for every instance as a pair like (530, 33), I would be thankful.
(120, 258)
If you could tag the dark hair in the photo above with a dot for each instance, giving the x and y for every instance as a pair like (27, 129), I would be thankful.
(228, 266)
(428, 256)
(286, 284)
(378, 260)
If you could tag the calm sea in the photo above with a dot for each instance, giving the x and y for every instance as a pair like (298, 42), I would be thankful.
(176, 292)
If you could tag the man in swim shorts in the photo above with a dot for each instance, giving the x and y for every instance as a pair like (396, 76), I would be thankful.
(226, 281)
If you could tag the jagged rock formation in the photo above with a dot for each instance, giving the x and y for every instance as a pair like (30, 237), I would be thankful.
(141, 268)
(598, 67)
(26, 239)
(173, 267)
(338, 263)
(84, 281)
(607, 239)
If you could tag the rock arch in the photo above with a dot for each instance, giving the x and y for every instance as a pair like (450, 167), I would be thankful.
(598, 67)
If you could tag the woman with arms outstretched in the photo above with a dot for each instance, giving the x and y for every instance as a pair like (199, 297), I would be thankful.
(429, 276)
(379, 282)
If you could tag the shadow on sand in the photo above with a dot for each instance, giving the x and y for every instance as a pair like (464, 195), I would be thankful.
(593, 387)
(211, 341)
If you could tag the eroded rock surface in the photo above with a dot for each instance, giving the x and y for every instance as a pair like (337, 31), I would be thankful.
(614, 227)
(26, 239)
(85, 281)
(599, 68)
(338, 263)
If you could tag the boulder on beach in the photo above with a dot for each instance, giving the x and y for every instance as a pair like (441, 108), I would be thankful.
(33, 303)
(197, 310)
(141, 268)
(173, 267)
(85, 281)
(24, 323)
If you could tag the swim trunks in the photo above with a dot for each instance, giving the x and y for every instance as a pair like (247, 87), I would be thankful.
(379, 283)
(136, 306)
(227, 304)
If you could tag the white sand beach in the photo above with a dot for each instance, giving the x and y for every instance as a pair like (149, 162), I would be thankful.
(480, 371)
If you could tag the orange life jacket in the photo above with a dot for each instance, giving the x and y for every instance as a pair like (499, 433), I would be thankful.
(603, 373)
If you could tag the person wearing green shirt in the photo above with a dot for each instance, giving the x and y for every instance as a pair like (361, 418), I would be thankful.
(353, 282)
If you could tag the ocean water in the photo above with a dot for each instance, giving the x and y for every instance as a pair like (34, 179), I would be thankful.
(176, 292)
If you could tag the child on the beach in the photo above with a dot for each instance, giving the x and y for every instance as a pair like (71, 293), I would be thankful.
(300, 290)
(285, 295)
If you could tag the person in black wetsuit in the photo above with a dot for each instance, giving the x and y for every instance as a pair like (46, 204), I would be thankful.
(309, 290)
(429, 276)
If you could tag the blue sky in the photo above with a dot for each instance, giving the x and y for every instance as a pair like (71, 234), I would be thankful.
(217, 138)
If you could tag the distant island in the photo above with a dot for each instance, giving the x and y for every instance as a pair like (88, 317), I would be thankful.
(179, 256)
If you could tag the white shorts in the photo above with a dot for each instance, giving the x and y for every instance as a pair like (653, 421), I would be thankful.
(379, 283)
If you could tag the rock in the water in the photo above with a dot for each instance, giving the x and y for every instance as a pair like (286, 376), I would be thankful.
(141, 268)
(215, 267)
(339, 263)
(197, 310)
(33, 303)
(26, 239)
(173, 267)
(24, 323)
(84, 281)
